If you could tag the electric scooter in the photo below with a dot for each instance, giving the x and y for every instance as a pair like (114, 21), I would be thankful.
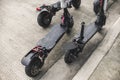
(87, 32)
(48, 11)
(34, 60)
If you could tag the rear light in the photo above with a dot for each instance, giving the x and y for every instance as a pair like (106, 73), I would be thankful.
(37, 49)
(38, 9)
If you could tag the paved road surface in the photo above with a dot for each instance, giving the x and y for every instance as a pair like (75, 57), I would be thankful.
(19, 32)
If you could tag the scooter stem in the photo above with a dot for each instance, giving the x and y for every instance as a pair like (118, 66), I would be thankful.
(66, 12)
(82, 31)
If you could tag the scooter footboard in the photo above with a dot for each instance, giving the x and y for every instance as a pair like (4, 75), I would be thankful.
(51, 39)
(69, 46)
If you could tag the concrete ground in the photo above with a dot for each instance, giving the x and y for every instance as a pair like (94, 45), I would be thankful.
(19, 32)
(98, 55)
(109, 67)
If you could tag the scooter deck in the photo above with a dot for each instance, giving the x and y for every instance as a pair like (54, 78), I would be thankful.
(89, 32)
(50, 40)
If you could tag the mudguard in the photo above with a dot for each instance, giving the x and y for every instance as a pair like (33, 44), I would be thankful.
(96, 2)
(44, 10)
(27, 58)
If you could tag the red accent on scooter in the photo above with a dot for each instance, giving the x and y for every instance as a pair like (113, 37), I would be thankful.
(37, 49)
(38, 9)
(63, 18)
(101, 2)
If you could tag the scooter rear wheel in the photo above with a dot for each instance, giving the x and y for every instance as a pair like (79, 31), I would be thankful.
(69, 57)
(34, 67)
(44, 19)
(76, 3)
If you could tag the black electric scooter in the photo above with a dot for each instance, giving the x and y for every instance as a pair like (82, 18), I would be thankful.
(77, 45)
(34, 60)
(48, 11)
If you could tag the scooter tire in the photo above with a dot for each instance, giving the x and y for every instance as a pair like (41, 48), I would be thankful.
(96, 7)
(34, 64)
(44, 19)
(76, 3)
(69, 57)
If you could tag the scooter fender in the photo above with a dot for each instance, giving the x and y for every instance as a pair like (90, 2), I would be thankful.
(44, 10)
(96, 2)
(27, 58)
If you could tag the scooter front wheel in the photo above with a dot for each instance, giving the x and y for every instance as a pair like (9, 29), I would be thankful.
(44, 19)
(96, 7)
(34, 67)
(69, 57)
(76, 3)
